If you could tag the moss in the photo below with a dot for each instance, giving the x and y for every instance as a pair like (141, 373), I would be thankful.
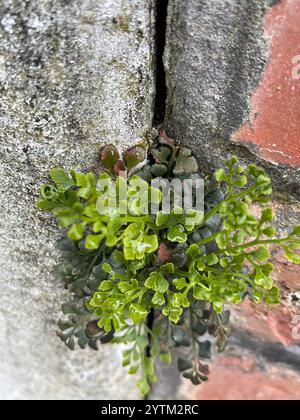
(122, 23)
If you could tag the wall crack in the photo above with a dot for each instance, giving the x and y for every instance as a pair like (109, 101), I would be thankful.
(161, 11)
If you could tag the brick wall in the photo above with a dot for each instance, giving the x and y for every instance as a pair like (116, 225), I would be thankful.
(234, 87)
(74, 75)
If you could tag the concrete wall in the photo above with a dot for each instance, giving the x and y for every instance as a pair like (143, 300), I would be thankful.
(74, 75)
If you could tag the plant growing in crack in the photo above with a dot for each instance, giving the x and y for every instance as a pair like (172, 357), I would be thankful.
(160, 282)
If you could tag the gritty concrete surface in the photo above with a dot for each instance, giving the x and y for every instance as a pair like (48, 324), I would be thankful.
(216, 54)
(74, 75)
(169, 381)
(278, 94)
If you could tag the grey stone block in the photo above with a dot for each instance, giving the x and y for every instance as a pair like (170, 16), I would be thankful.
(215, 55)
(74, 75)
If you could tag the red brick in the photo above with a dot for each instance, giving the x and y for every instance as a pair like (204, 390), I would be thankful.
(235, 378)
(275, 106)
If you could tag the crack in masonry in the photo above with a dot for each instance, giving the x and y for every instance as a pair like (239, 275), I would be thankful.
(161, 12)
(271, 352)
(161, 15)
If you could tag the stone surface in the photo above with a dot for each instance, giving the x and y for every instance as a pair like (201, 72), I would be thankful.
(169, 381)
(74, 75)
(217, 53)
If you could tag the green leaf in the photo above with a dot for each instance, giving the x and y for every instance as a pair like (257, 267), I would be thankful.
(142, 341)
(76, 231)
(86, 184)
(212, 259)
(93, 241)
(221, 175)
(263, 180)
(149, 368)
(241, 182)
(133, 370)
(267, 215)
(106, 285)
(179, 300)
(194, 251)
(162, 218)
(296, 230)
(258, 296)
(152, 281)
(201, 266)
(218, 305)
(232, 161)
(292, 256)
(138, 312)
(177, 234)
(150, 243)
(263, 280)
(158, 299)
(221, 240)
(135, 249)
(124, 286)
(180, 284)
(61, 179)
(224, 262)
(261, 254)
(48, 193)
(143, 385)
(168, 268)
(201, 293)
(273, 296)
(270, 231)
(173, 313)
(236, 298)
(157, 282)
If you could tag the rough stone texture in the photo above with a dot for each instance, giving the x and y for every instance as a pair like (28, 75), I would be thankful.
(73, 75)
(169, 382)
(216, 54)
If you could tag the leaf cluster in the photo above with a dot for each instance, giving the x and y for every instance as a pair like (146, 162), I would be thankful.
(180, 269)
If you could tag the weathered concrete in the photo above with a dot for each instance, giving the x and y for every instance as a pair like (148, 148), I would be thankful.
(216, 54)
(73, 75)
